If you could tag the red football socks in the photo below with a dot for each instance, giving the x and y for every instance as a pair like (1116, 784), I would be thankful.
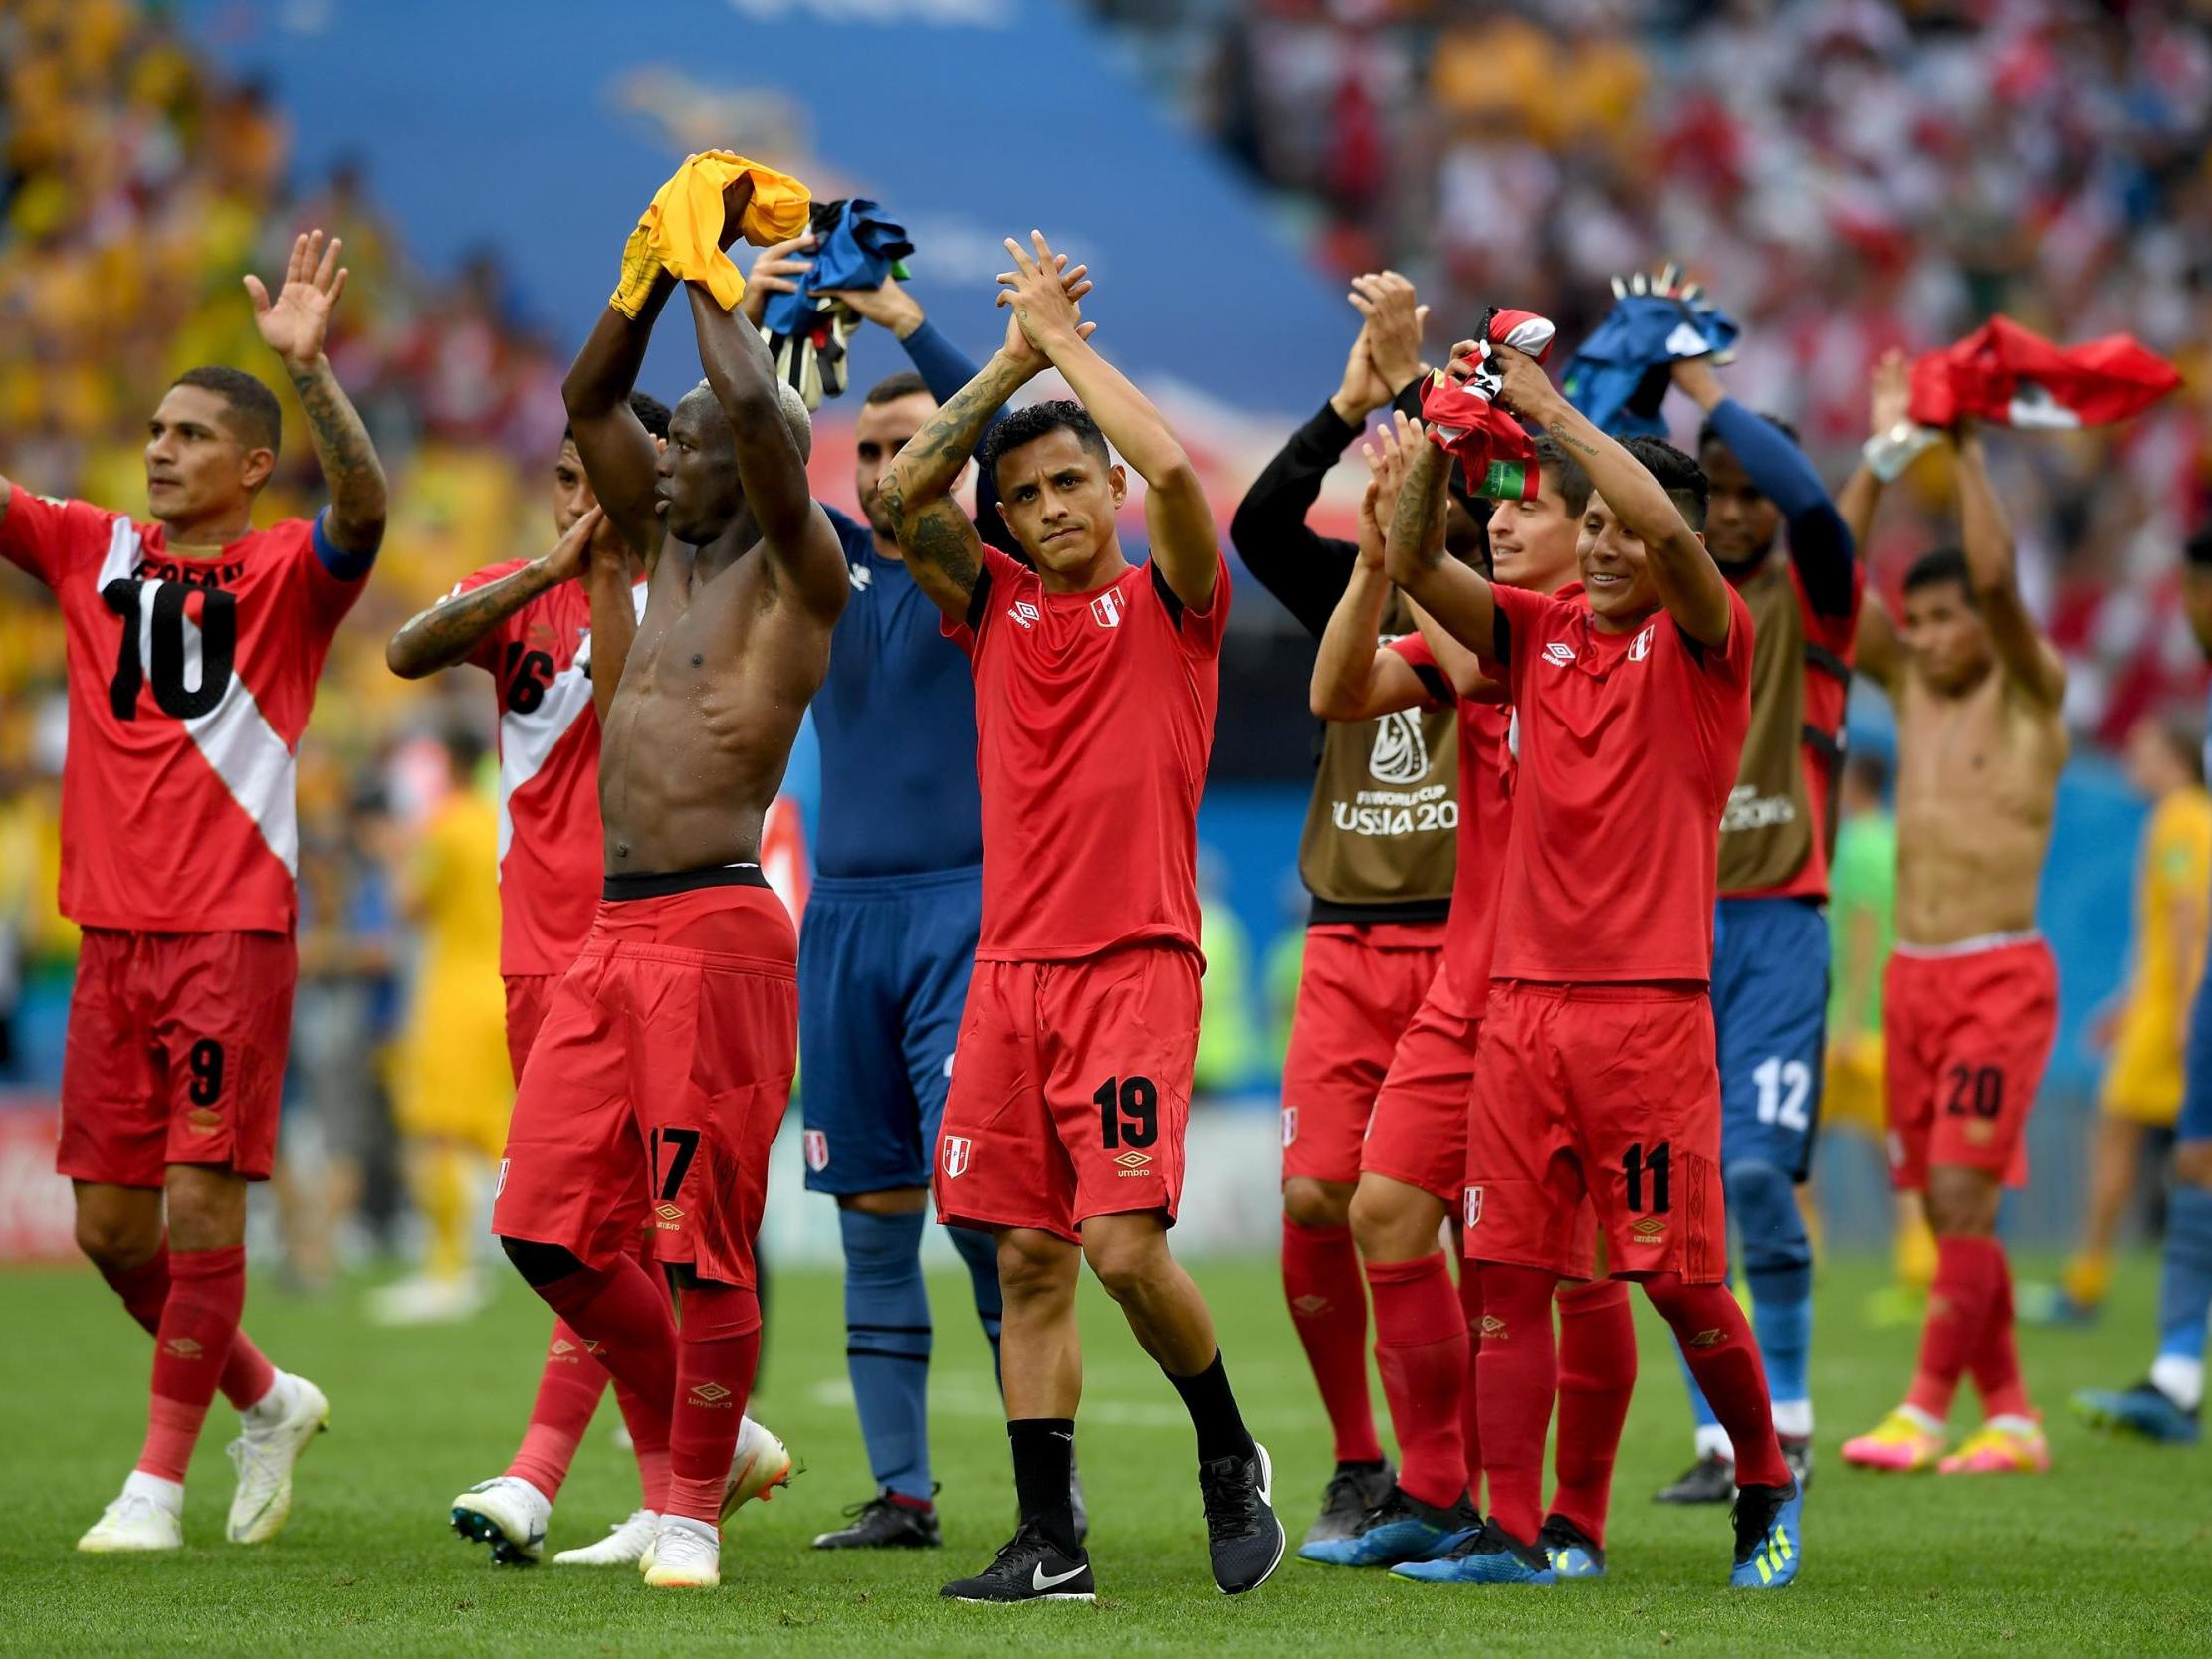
(568, 1391)
(1597, 1375)
(247, 1374)
(721, 1347)
(1421, 1348)
(625, 1310)
(1970, 1275)
(1328, 1309)
(649, 1431)
(1470, 1416)
(1995, 1361)
(1519, 1377)
(1719, 1348)
(199, 1322)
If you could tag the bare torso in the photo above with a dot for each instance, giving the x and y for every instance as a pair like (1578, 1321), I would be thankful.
(702, 725)
(1977, 775)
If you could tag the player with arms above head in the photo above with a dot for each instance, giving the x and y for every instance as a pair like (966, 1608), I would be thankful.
(527, 624)
(1595, 1077)
(194, 642)
(1095, 689)
(1776, 536)
(664, 1064)
(1413, 1155)
(889, 934)
(1972, 995)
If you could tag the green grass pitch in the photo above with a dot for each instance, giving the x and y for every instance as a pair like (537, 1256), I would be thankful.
(2110, 1553)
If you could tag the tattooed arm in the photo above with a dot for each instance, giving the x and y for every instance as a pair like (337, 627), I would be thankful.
(294, 326)
(1454, 594)
(940, 544)
(450, 630)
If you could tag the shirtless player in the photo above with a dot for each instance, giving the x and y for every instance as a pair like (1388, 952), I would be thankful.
(667, 1053)
(1972, 996)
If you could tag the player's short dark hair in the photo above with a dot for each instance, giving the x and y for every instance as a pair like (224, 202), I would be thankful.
(1708, 433)
(2181, 728)
(1027, 426)
(1680, 477)
(1871, 773)
(892, 387)
(256, 418)
(465, 749)
(651, 413)
(1935, 569)
(1553, 461)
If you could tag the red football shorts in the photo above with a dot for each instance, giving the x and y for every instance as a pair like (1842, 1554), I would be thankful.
(1356, 997)
(655, 1087)
(1071, 1087)
(528, 995)
(175, 1054)
(1968, 1032)
(1419, 1134)
(1607, 1091)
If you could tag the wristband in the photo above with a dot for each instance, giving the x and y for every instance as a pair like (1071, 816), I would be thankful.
(1888, 453)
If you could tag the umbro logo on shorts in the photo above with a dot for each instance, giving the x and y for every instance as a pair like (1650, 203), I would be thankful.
(1106, 609)
(1559, 653)
(1024, 613)
(1134, 1163)
(1289, 1126)
(817, 1150)
(958, 1151)
(670, 1216)
(1649, 1230)
(1474, 1203)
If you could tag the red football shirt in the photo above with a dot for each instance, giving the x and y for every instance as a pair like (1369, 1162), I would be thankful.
(1486, 824)
(190, 682)
(551, 855)
(1627, 746)
(1094, 717)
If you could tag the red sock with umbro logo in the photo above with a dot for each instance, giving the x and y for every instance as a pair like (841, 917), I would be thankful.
(192, 1346)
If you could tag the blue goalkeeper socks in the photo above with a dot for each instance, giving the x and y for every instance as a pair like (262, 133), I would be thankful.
(2185, 1276)
(887, 1345)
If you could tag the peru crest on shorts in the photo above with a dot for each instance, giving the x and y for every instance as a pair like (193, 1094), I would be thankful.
(1474, 1200)
(817, 1150)
(958, 1151)
(1289, 1126)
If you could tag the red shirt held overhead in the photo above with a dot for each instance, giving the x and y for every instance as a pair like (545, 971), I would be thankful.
(190, 681)
(552, 859)
(1485, 825)
(1094, 719)
(1628, 747)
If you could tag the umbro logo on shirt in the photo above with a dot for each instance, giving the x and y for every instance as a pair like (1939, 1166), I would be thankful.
(1560, 653)
(1106, 609)
(1024, 613)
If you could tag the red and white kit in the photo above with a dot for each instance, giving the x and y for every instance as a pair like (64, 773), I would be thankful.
(1598, 1073)
(1094, 719)
(550, 855)
(1419, 1132)
(190, 682)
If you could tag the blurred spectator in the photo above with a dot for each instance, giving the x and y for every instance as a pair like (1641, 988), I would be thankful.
(1844, 175)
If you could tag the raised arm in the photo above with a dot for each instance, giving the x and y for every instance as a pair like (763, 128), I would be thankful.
(1690, 585)
(450, 630)
(1876, 654)
(619, 455)
(608, 584)
(1453, 593)
(1186, 547)
(802, 549)
(1353, 678)
(940, 542)
(1889, 397)
(1820, 547)
(2030, 661)
(294, 326)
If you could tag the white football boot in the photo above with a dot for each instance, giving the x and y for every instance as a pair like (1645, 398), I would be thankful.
(759, 1464)
(264, 1454)
(131, 1524)
(687, 1555)
(509, 1513)
(624, 1545)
